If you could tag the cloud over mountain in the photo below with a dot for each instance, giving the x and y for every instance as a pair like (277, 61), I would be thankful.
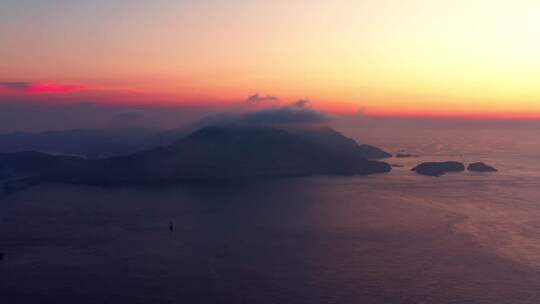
(285, 115)
(261, 98)
(301, 103)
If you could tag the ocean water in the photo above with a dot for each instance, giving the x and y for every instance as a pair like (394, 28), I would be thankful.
(391, 238)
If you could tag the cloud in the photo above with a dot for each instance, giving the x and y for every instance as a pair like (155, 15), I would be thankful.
(259, 98)
(32, 115)
(285, 115)
(301, 103)
(59, 88)
(44, 87)
(16, 86)
(40, 112)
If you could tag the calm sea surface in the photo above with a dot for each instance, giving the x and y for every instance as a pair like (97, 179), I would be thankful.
(393, 238)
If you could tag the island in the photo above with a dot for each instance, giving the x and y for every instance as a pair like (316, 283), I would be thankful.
(438, 168)
(480, 167)
(218, 152)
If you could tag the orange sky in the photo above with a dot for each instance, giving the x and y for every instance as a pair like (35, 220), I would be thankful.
(476, 58)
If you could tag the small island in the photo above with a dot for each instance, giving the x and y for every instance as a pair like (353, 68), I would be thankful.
(481, 167)
(438, 168)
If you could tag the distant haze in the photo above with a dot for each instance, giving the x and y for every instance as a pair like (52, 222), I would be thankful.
(37, 117)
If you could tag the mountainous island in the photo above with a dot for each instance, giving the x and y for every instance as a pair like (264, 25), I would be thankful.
(211, 153)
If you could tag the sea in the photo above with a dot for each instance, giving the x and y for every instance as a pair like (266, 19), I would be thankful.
(388, 238)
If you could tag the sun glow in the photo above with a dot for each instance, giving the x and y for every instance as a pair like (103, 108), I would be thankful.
(414, 57)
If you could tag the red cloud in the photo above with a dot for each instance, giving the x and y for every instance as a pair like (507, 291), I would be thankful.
(40, 88)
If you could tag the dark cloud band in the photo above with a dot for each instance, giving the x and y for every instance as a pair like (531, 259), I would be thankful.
(16, 86)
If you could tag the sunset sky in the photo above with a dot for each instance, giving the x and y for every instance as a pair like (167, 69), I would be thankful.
(476, 58)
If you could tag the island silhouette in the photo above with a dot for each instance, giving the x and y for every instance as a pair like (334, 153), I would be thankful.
(218, 152)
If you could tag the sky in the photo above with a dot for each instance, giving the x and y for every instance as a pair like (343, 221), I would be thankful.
(420, 58)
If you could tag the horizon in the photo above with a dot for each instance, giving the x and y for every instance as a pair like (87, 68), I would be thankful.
(38, 117)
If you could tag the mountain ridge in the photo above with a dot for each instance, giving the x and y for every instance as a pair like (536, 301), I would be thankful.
(215, 152)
